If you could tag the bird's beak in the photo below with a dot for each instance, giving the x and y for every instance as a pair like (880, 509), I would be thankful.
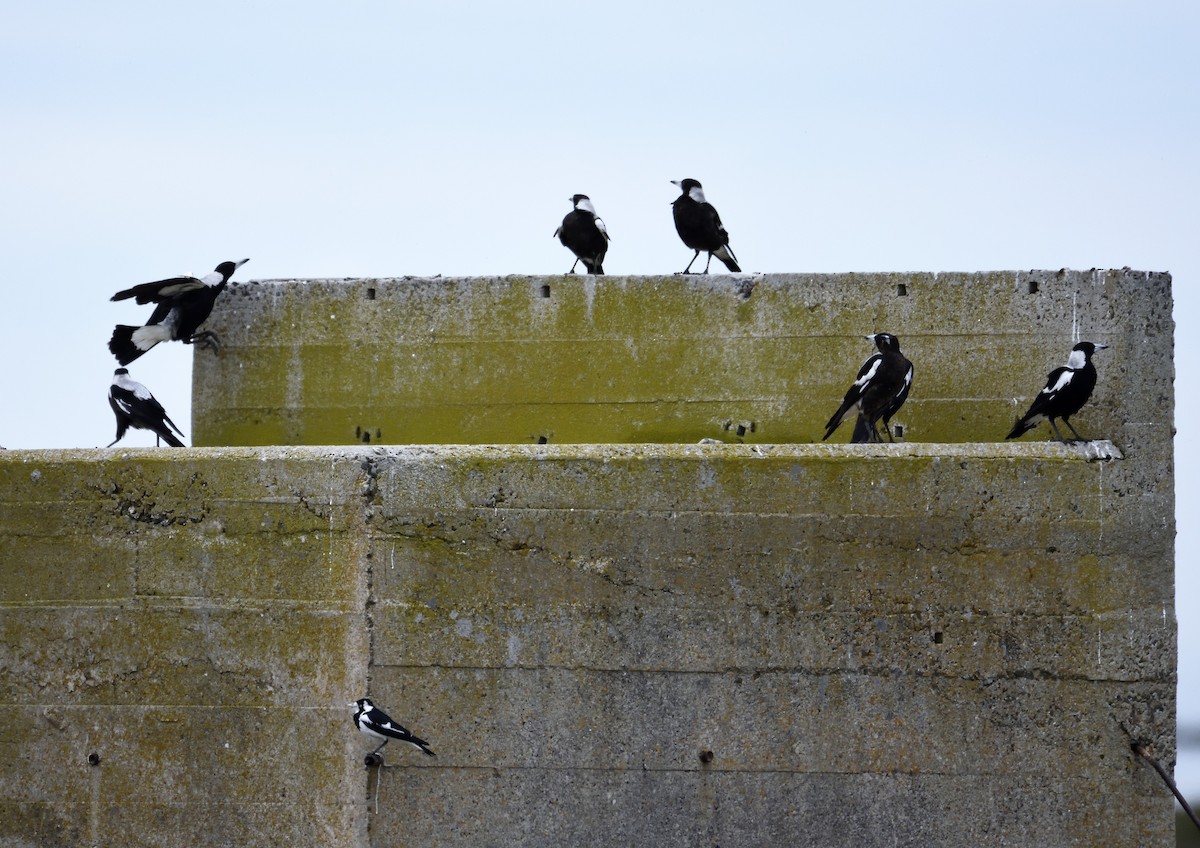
(351, 704)
(675, 182)
(870, 338)
(1101, 347)
(241, 263)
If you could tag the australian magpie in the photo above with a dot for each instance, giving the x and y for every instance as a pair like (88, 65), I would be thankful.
(183, 304)
(135, 407)
(879, 390)
(584, 234)
(379, 725)
(1067, 390)
(699, 225)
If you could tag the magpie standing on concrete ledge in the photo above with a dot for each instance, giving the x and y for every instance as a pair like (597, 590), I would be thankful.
(377, 724)
(1067, 390)
(699, 225)
(135, 407)
(183, 304)
(584, 234)
(879, 390)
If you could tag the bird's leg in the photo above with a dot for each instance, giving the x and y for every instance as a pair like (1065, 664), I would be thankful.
(689, 265)
(380, 748)
(572, 271)
(113, 442)
(206, 339)
(709, 262)
(157, 441)
(887, 429)
(1067, 421)
(1055, 429)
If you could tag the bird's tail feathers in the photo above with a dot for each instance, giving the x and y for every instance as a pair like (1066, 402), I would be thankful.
(837, 419)
(172, 425)
(423, 745)
(726, 255)
(594, 267)
(1022, 426)
(121, 344)
(169, 437)
(862, 431)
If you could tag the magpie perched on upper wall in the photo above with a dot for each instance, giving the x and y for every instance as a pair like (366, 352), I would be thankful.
(183, 304)
(379, 725)
(584, 234)
(135, 407)
(700, 227)
(1067, 390)
(879, 390)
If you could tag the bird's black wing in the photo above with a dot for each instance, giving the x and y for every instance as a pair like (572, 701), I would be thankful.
(1043, 405)
(1056, 383)
(854, 394)
(716, 223)
(160, 290)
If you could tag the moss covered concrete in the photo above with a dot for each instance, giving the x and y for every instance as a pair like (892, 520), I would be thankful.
(946, 644)
(737, 358)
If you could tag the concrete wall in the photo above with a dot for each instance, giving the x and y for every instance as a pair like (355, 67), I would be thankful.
(933, 643)
(666, 359)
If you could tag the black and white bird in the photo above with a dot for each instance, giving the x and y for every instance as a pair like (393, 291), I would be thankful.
(584, 234)
(700, 227)
(377, 724)
(183, 304)
(1067, 390)
(135, 407)
(878, 392)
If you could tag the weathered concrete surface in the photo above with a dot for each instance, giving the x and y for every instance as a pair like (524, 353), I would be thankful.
(750, 358)
(936, 645)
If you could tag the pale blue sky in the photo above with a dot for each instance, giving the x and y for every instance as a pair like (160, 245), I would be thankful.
(141, 140)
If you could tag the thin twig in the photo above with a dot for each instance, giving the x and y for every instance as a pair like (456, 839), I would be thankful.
(1141, 751)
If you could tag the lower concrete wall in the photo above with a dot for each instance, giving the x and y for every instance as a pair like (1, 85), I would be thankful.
(936, 645)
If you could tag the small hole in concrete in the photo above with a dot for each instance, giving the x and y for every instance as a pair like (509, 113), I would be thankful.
(1033, 286)
(901, 290)
(741, 429)
(378, 433)
(545, 291)
(93, 759)
(542, 440)
(358, 432)
(898, 429)
(937, 637)
(370, 294)
(366, 437)
(372, 760)
(706, 757)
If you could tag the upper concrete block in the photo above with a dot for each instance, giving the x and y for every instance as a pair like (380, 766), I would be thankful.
(751, 358)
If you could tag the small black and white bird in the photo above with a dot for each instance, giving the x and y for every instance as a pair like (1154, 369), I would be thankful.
(379, 725)
(700, 227)
(135, 407)
(878, 392)
(584, 234)
(183, 304)
(1067, 390)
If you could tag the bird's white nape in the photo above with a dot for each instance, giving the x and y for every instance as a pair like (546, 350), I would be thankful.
(1076, 360)
(586, 205)
(696, 193)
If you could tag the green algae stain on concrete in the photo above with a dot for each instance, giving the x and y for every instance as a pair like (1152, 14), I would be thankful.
(737, 358)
